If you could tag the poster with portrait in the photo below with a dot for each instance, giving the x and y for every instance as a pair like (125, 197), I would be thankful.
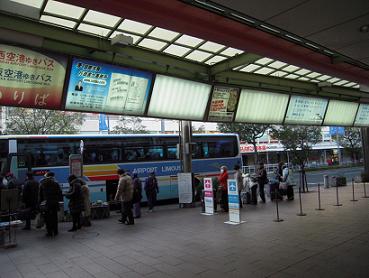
(31, 79)
(100, 87)
(223, 104)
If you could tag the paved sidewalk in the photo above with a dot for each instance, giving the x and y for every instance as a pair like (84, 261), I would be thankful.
(174, 242)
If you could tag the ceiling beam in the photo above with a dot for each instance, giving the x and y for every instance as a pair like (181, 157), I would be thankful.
(236, 61)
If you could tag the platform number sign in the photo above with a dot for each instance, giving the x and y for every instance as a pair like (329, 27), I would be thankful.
(233, 201)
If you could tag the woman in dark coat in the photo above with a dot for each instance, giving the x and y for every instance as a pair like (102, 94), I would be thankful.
(75, 201)
(137, 196)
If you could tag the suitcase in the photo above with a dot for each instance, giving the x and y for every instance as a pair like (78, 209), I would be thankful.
(290, 193)
(245, 198)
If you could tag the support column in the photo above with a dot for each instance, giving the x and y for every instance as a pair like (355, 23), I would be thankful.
(365, 144)
(186, 152)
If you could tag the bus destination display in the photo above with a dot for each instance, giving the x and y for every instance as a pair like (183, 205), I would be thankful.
(362, 117)
(223, 104)
(306, 110)
(100, 87)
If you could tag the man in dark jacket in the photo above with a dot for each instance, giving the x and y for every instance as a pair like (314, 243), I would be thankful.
(262, 177)
(30, 198)
(75, 201)
(151, 189)
(50, 194)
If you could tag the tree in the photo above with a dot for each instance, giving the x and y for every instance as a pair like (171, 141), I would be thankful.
(247, 132)
(129, 125)
(351, 140)
(200, 129)
(40, 121)
(298, 140)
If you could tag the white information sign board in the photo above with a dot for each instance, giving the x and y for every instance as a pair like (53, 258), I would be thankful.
(233, 203)
(208, 196)
(185, 188)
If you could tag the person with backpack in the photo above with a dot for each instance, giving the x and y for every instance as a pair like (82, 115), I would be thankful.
(30, 199)
(137, 196)
(151, 189)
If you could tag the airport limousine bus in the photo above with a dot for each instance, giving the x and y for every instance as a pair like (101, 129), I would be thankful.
(104, 154)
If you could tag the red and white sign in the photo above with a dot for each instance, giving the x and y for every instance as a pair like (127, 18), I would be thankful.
(245, 148)
(208, 198)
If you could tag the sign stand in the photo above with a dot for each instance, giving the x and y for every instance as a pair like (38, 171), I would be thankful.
(319, 203)
(208, 197)
(233, 204)
(338, 203)
(185, 188)
(365, 196)
(353, 191)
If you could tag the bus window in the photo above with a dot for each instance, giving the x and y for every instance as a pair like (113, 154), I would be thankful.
(172, 152)
(154, 153)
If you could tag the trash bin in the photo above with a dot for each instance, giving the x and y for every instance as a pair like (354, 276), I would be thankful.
(326, 181)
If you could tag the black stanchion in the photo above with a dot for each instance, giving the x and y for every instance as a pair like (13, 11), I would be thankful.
(338, 203)
(276, 205)
(365, 196)
(353, 191)
(319, 203)
(301, 213)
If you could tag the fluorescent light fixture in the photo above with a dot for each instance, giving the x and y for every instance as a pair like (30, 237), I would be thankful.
(261, 107)
(62, 9)
(362, 117)
(176, 50)
(134, 26)
(211, 46)
(152, 44)
(250, 68)
(103, 32)
(263, 61)
(215, 59)
(306, 110)
(341, 113)
(30, 9)
(101, 18)
(198, 55)
(178, 98)
(231, 52)
(264, 71)
(277, 64)
(189, 41)
(58, 21)
(163, 34)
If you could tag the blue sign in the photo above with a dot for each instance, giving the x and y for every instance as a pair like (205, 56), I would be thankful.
(336, 130)
(99, 87)
(103, 122)
(232, 187)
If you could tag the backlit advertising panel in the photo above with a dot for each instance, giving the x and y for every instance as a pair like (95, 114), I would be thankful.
(306, 110)
(100, 87)
(223, 104)
(31, 79)
(362, 117)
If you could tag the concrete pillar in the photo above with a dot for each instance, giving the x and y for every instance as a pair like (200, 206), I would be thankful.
(186, 150)
(365, 143)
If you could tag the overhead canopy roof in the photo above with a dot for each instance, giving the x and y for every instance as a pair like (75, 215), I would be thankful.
(182, 40)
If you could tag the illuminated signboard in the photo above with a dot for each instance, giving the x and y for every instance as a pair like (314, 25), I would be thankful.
(99, 87)
(31, 79)
(178, 98)
(261, 107)
(362, 117)
(306, 110)
(223, 104)
(341, 113)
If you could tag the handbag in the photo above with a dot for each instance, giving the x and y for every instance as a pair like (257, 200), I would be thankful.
(283, 185)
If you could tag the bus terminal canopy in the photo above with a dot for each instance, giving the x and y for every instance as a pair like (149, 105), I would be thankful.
(120, 57)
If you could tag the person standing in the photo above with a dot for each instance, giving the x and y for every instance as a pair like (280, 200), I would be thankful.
(137, 196)
(262, 176)
(151, 189)
(125, 195)
(86, 204)
(223, 187)
(239, 179)
(30, 198)
(75, 201)
(50, 194)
